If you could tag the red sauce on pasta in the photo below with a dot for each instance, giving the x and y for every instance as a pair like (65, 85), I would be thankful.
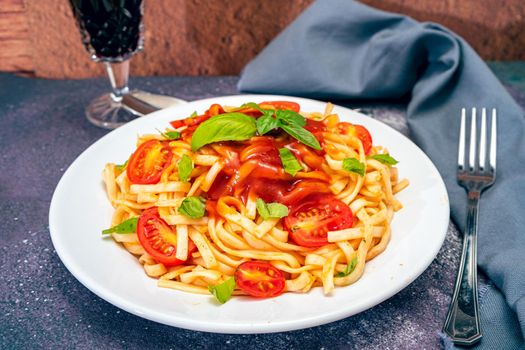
(254, 168)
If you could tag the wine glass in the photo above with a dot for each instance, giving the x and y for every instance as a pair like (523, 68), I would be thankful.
(112, 32)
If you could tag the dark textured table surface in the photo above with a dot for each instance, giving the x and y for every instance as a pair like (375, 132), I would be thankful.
(43, 129)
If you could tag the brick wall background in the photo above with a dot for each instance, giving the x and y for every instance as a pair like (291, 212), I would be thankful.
(217, 37)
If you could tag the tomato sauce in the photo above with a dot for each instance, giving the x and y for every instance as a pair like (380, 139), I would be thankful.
(220, 187)
(254, 168)
(316, 128)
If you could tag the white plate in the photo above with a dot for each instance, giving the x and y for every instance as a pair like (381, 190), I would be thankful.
(80, 210)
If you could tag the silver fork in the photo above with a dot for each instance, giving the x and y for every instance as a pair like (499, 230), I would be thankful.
(462, 324)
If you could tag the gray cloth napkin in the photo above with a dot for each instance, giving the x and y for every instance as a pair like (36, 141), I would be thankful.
(341, 49)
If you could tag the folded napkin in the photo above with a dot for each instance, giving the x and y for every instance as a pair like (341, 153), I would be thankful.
(341, 49)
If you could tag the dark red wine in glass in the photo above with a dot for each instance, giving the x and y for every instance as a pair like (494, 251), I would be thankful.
(111, 29)
(112, 32)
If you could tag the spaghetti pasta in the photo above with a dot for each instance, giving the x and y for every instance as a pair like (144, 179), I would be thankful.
(319, 226)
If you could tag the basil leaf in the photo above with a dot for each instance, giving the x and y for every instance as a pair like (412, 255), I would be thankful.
(290, 163)
(185, 167)
(223, 127)
(223, 291)
(349, 268)
(302, 135)
(266, 123)
(291, 122)
(121, 166)
(170, 135)
(290, 117)
(354, 165)
(127, 226)
(193, 115)
(271, 210)
(385, 159)
(193, 207)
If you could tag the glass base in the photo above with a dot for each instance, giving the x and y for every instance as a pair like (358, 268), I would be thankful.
(108, 113)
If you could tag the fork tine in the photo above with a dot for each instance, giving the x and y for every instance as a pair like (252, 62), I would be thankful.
(472, 147)
(461, 147)
(483, 139)
(493, 142)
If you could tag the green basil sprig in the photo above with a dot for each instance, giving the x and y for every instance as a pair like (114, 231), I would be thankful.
(223, 291)
(127, 226)
(301, 134)
(349, 268)
(170, 135)
(237, 126)
(290, 164)
(289, 121)
(266, 123)
(290, 117)
(384, 158)
(193, 207)
(185, 167)
(354, 165)
(121, 166)
(271, 210)
(223, 127)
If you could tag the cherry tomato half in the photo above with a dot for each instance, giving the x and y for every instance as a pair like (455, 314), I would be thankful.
(214, 110)
(310, 220)
(282, 105)
(158, 239)
(314, 126)
(259, 279)
(358, 131)
(148, 162)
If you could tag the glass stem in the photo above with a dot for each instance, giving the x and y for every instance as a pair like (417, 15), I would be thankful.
(118, 74)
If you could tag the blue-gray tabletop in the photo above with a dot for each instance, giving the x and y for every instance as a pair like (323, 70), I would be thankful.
(43, 130)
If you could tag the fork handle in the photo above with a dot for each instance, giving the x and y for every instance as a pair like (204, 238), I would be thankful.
(462, 324)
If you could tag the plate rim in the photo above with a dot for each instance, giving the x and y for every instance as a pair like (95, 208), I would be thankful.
(210, 326)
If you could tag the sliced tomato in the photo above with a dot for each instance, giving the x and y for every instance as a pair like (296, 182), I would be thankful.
(293, 106)
(314, 126)
(177, 123)
(365, 137)
(310, 220)
(358, 131)
(148, 162)
(158, 239)
(250, 111)
(215, 109)
(191, 121)
(259, 279)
